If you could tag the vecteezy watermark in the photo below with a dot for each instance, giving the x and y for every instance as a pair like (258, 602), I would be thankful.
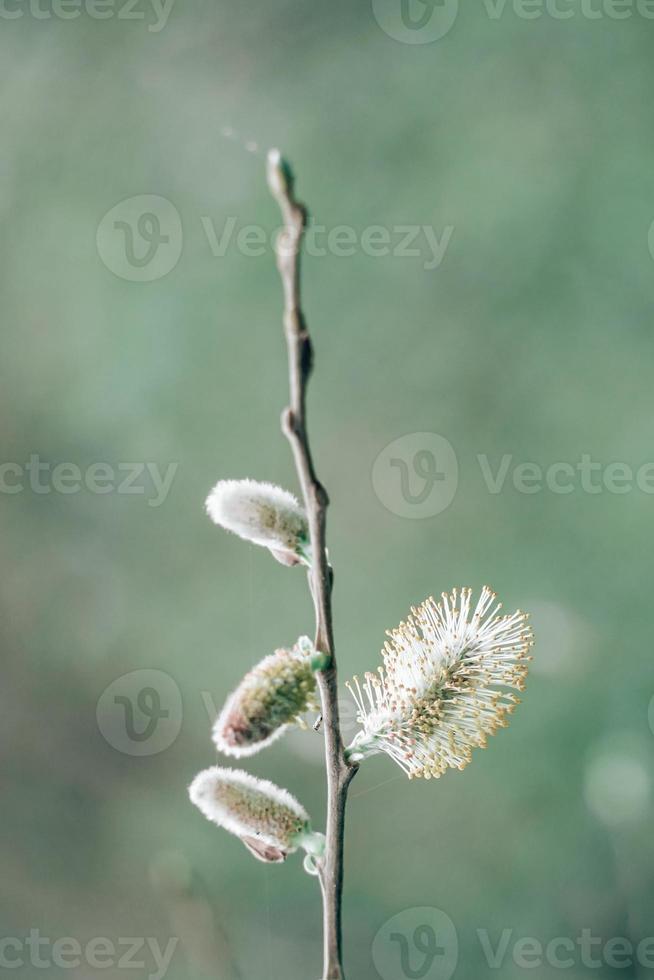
(42, 477)
(100, 953)
(415, 21)
(568, 9)
(141, 713)
(417, 475)
(342, 241)
(422, 944)
(426, 21)
(416, 944)
(565, 952)
(586, 475)
(141, 238)
(154, 12)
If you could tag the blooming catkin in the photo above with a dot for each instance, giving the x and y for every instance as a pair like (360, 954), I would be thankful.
(264, 514)
(272, 696)
(269, 821)
(440, 691)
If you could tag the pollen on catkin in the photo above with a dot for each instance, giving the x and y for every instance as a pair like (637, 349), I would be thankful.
(272, 696)
(441, 691)
(268, 819)
(264, 514)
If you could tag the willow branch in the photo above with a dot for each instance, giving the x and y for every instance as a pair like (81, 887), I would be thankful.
(321, 579)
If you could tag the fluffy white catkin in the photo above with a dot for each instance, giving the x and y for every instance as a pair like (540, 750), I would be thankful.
(268, 819)
(272, 696)
(262, 513)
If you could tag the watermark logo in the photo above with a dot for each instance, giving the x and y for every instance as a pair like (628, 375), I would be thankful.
(570, 9)
(152, 481)
(415, 21)
(153, 12)
(416, 476)
(141, 713)
(144, 954)
(140, 239)
(416, 944)
(423, 242)
(425, 21)
(422, 944)
(564, 952)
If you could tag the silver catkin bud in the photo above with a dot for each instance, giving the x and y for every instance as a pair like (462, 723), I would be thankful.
(262, 513)
(272, 696)
(268, 820)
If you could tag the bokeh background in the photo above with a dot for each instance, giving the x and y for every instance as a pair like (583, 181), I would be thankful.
(532, 140)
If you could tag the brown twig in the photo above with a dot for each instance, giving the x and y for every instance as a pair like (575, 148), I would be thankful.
(321, 579)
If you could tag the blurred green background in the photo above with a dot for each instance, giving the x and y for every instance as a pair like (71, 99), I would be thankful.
(530, 138)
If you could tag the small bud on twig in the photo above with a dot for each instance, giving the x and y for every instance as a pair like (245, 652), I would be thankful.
(268, 820)
(264, 514)
(271, 697)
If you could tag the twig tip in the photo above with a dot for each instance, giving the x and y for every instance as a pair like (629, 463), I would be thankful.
(280, 175)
